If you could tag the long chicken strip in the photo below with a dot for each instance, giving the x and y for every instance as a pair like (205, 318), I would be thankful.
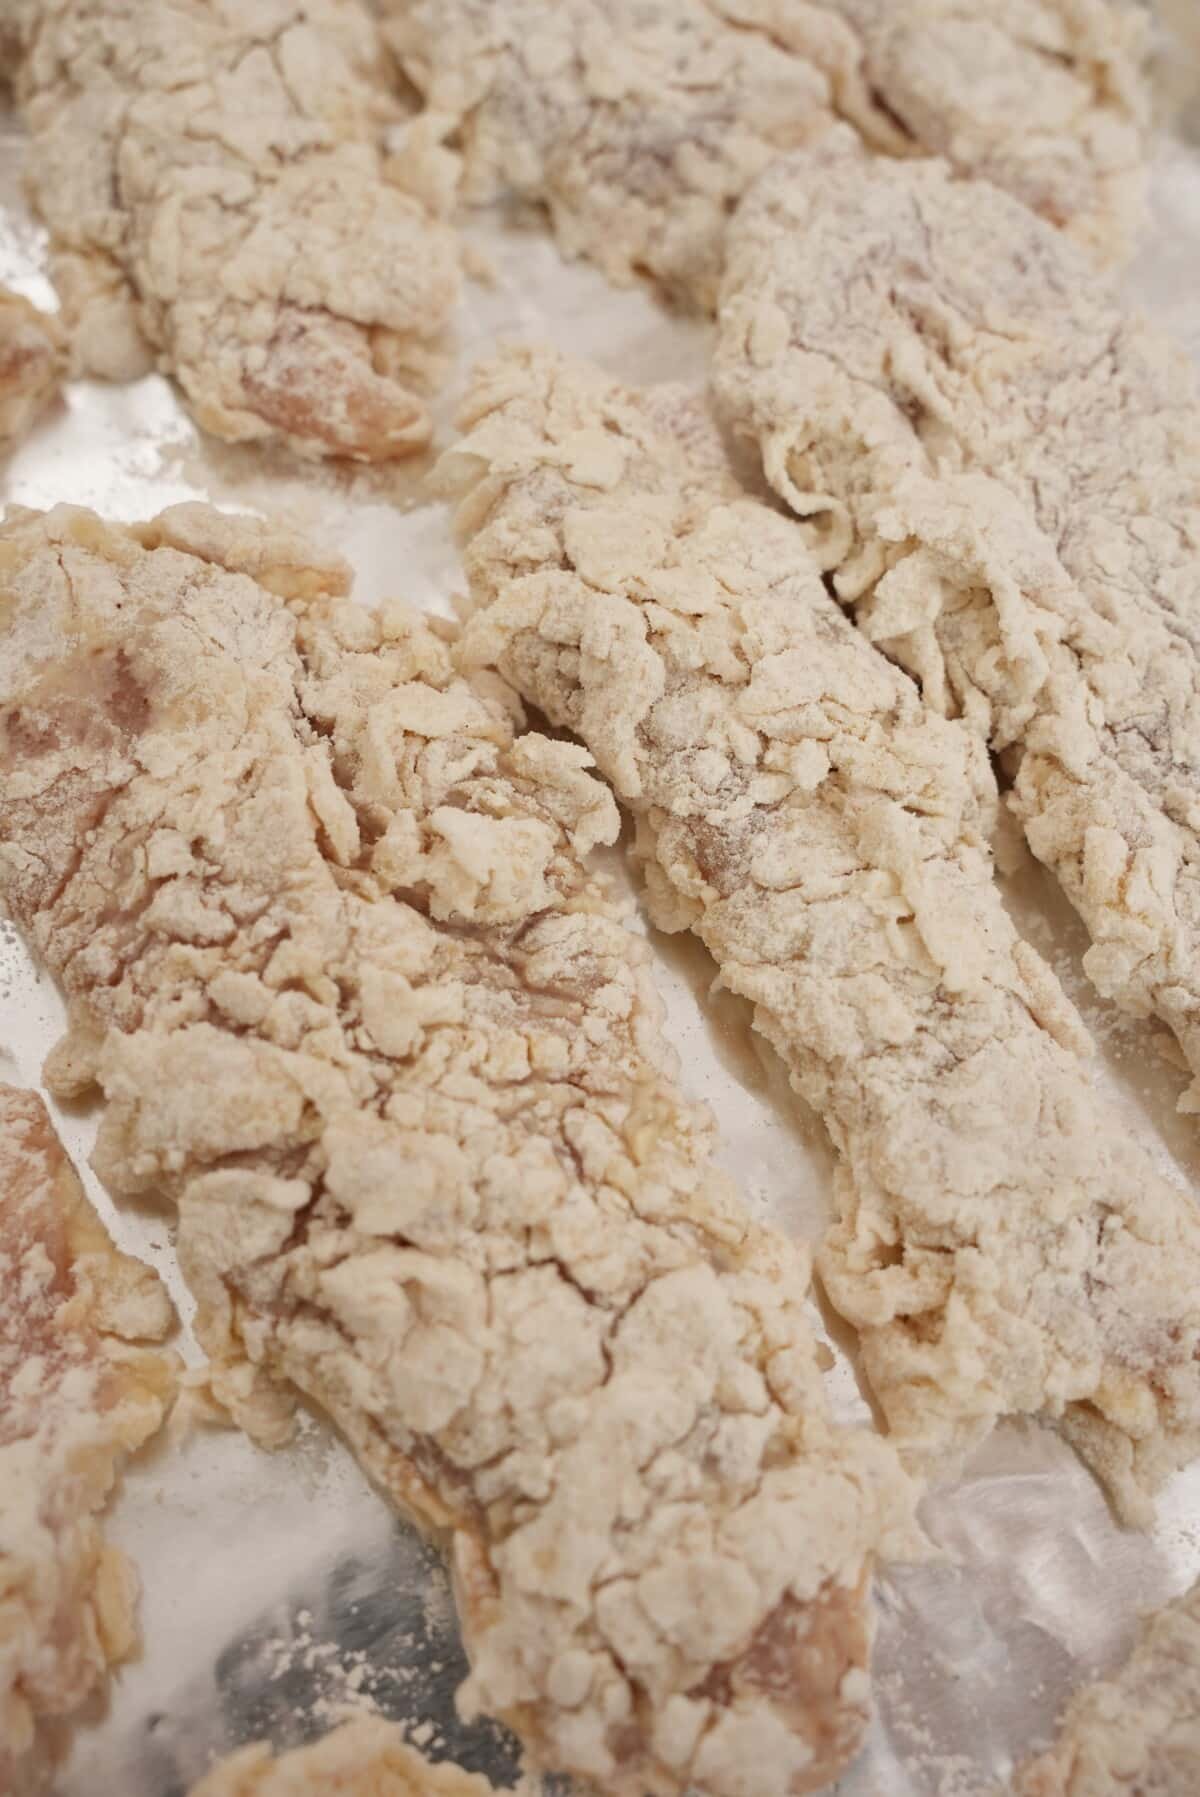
(639, 123)
(1136, 1734)
(212, 176)
(999, 1243)
(365, 1757)
(331, 953)
(1002, 469)
(31, 365)
(78, 1393)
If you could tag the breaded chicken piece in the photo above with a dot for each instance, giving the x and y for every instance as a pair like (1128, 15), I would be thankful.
(1048, 99)
(332, 955)
(1138, 1733)
(212, 176)
(365, 1757)
(1001, 469)
(78, 1394)
(640, 123)
(31, 365)
(1000, 1244)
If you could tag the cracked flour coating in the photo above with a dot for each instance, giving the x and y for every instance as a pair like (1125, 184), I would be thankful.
(212, 177)
(77, 1395)
(31, 365)
(365, 1757)
(999, 1243)
(1000, 466)
(1136, 1734)
(331, 954)
(640, 123)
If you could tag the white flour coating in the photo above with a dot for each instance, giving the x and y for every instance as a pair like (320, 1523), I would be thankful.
(1000, 1244)
(213, 180)
(31, 365)
(1138, 1733)
(365, 1757)
(1045, 98)
(77, 1395)
(331, 953)
(640, 123)
(1002, 470)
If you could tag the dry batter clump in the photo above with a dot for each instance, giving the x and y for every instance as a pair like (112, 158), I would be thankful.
(331, 953)
(1000, 1243)
(365, 1757)
(78, 1393)
(218, 201)
(999, 466)
(1138, 1733)
(640, 123)
(31, 365)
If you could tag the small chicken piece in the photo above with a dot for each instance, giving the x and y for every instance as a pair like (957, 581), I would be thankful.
(31, 365)
(78, 1393)
(1045, 98)
(1138, 1733)
(637, 123)
(1001, 469)
(212, 176)
(1000, 1244)
(640, 123)
(365, 1757)
(332, 955)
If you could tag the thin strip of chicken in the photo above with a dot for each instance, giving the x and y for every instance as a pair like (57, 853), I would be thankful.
(332, 956)
(78, 1393)
(640, 123)
(1001, 468)
(365, 1757)
(1000, 1244)
(213, 179)
(1136, 1734)
(31, 365)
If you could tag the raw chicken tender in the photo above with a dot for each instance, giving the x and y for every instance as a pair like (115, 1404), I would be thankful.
(31, 365)
(640, 123)
(1138, 1733)
(999, 1242)
(1002, 470)
(363, 1758)
(212, 176)
(78, 1393)
(333, 958)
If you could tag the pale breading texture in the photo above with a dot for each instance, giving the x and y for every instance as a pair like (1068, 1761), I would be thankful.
(1046, 98)
(365, 1757)
(213, 180)
(31, 365)
(1136, 1734)
(1001, 468)
(640, 123)
(78, 1394)
(999, 1243)
(332, 955)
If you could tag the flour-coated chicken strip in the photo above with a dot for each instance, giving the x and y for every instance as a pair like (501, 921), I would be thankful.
(640, 123)
(212, 176)
(31, 365)
(1001, 468)
(78, 1394)
(999, 1243)
(1136, 1734)
(365, 1757)
(1045, 98)
(333, 958)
